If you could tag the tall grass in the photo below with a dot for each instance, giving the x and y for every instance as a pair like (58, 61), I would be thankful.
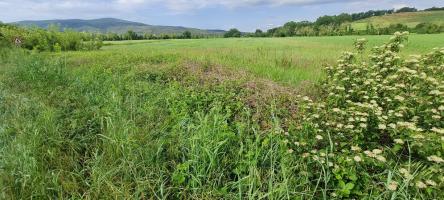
(122, 132)
(159, 122)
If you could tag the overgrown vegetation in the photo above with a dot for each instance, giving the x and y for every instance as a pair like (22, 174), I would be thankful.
(88, 125)
(47, 40)
(379, 130)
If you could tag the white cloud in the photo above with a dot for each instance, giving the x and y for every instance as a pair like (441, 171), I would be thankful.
(13, 10)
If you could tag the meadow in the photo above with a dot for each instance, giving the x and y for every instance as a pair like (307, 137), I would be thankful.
(409, 19)
(285, 60)
(244, 118)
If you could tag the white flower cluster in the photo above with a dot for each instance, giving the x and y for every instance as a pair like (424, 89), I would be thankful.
(389, 101)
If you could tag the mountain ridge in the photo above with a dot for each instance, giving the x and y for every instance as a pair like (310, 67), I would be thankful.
(114, 25)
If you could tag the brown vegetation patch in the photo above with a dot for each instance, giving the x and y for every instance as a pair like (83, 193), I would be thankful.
(264, 97)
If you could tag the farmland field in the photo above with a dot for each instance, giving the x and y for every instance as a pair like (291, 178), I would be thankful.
(409, 19)
(218, 119)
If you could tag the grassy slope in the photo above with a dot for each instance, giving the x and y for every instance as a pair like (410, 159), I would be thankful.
(286, 60)
(409, 19)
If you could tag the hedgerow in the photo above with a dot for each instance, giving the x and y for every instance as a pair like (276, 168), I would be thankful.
(47, 40)
(379, 130)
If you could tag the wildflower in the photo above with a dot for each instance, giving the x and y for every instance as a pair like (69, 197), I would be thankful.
(399, 98)
(315, 157)
(304, 155)
(441, 108)
(436, 130)
(357, 159)
(421, 185)
(340, 125)
(399, 141)
(355, 148)
(362, 125)
(297, 143)
(319, 137)
(435, 92)
(418, 136)
(399, 114)
(377, 151)
(431, 182)
(435, 159)
(403, 171)
(393, 126)
(336, 110)
(393, 186)
(350, 126)
(369, 154)
(381, 158)
(290, 151)
(382, 126)
(436, 117)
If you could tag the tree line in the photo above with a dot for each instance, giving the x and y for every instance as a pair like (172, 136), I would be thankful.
(132, 35)
(51, 39)
(337, 25)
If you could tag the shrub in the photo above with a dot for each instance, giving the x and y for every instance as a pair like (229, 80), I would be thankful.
(381, 122)
(48, 40)
(233, 33)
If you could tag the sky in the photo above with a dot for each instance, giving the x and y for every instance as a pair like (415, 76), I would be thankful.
(246, 15)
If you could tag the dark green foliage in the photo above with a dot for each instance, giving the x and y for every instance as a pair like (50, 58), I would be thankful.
(406, 9)
(337, 25)
(48, 40)
(131, 35)
(186, 35)
(371, 13)
(434, 9)
(232, 33)
(428, 28)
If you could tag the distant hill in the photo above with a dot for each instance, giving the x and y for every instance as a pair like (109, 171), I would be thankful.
(411, 19)
(113, 25)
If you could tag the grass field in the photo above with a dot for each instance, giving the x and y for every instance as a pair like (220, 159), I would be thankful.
(193, 119)
(409, 19)
(285, 60)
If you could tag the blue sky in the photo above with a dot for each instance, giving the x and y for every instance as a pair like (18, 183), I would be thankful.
(247, 15)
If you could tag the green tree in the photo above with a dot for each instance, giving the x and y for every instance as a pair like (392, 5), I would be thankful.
(131, 35)
(186, 35)
(258, 33)
(233, 33)
(407, 9)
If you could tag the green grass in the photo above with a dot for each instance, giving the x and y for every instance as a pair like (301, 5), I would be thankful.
(175, 119)
(409, 19)
(285, 60)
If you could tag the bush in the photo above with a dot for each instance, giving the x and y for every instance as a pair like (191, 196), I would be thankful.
(48, 40)
(233, 33)
(428, 28)
(381, 122)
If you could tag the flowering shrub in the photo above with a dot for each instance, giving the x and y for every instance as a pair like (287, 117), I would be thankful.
(381, 126)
